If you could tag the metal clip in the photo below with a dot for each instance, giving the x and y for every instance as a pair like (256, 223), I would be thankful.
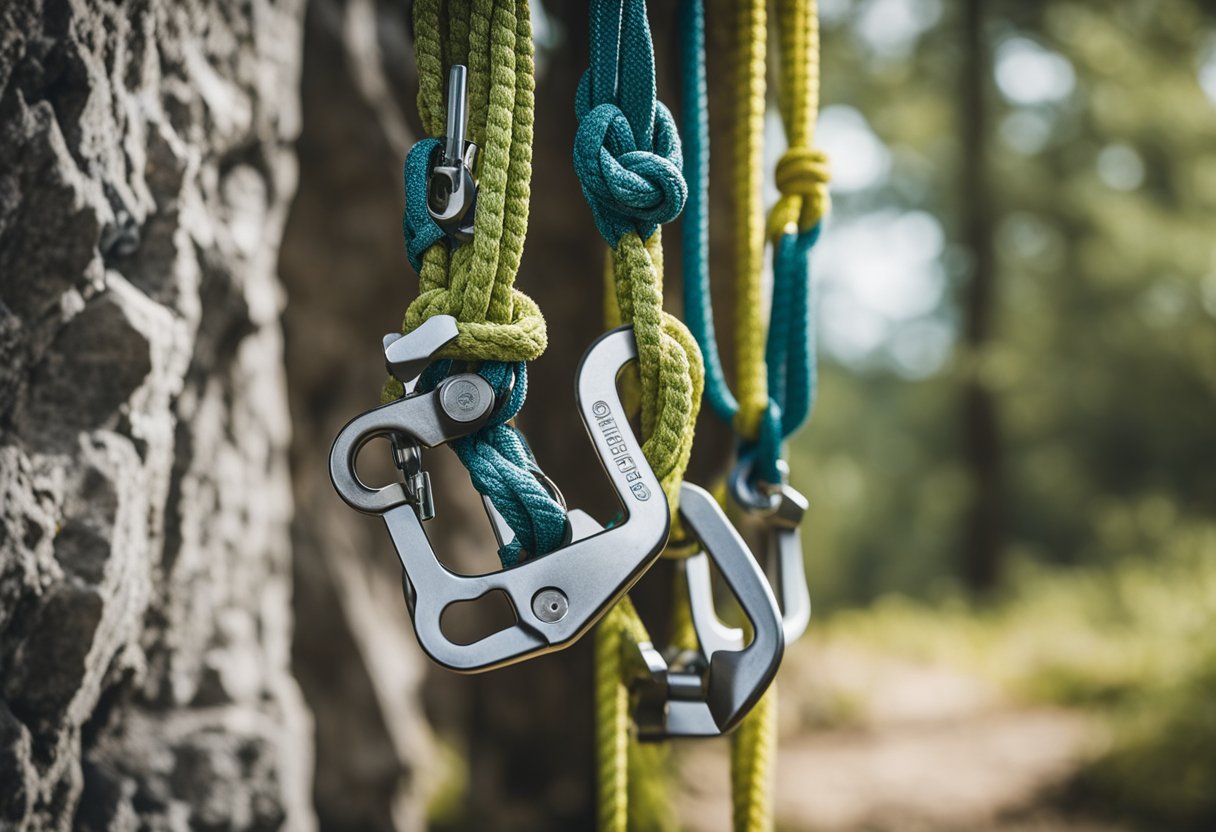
(556, 598)
(457, 407)
(707, 692)
(780, 508)
(451, 190)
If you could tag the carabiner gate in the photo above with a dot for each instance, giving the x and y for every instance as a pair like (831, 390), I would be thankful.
(780, 508)
(556, 598)
(707, 692)
(451, 190)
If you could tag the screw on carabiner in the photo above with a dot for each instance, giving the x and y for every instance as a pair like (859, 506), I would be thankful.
(780, 509)
(707, 692)
(556, 598)
(451, 190)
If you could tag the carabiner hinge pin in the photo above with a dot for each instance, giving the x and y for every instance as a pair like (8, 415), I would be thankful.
(451, 190)
(419, 488)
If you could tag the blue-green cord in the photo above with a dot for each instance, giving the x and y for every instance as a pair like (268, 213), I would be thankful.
(790, 347)
(627, 151)
(498, 459)
(420, 230)
(501, 464)
(698, 310)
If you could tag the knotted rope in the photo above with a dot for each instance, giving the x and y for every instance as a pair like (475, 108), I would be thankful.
(627, 157)
(776, 379)
(498, 325)
(501, 463)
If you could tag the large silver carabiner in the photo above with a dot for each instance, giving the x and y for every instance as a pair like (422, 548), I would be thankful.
(708, 692)
(556, 598)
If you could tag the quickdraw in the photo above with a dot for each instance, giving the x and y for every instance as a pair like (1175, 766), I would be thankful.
(628, 158)
(458, 374)
(777, 378)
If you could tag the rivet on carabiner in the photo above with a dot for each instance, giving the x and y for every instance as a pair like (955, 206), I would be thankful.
(707, 692)
(451, 190)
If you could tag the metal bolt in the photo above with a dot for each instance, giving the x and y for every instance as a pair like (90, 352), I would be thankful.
(550, 605)
(462, 400)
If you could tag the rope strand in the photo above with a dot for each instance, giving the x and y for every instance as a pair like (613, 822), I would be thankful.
(498, 325)
(776, 378)
(627, 156)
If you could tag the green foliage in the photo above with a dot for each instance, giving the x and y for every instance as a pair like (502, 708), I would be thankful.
(1162, 766)
(1103, 357)
(1101, 363)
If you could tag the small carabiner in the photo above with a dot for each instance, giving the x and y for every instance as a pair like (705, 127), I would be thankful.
(556, 598)
(780, 508)
(707, 692)
(451, 190)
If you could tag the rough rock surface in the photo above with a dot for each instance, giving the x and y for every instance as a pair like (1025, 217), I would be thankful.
(145, 619)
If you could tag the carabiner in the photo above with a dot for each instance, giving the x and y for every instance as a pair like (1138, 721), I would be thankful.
(556, 598)
(451, 190)
(780, 509)
(707, 692)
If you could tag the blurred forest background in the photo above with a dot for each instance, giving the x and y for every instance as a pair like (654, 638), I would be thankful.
(1013, 459)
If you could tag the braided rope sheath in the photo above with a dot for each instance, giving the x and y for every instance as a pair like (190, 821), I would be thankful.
(748, 146)
(776, 376)
(793, 227)
(475, 283)
(498, 325)
(612, 721)
(628, 159)
(802, 171)
(633, 777)
(752, 765)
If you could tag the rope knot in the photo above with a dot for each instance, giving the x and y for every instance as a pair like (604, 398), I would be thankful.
(801, 171)
(802, 179)
(631, 184)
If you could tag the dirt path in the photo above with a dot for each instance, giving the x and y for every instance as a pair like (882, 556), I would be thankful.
(882, 745)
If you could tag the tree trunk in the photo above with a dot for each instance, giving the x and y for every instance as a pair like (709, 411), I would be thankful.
(348, 283)
(145, 619)
(983, 542)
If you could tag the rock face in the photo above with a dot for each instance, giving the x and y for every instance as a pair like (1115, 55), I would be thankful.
(145, 615)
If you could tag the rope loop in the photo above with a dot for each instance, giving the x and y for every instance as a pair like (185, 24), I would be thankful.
(521, 338)
(499, 326)
(417, 226)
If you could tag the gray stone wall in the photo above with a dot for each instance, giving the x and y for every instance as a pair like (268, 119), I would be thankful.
(145, 617)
